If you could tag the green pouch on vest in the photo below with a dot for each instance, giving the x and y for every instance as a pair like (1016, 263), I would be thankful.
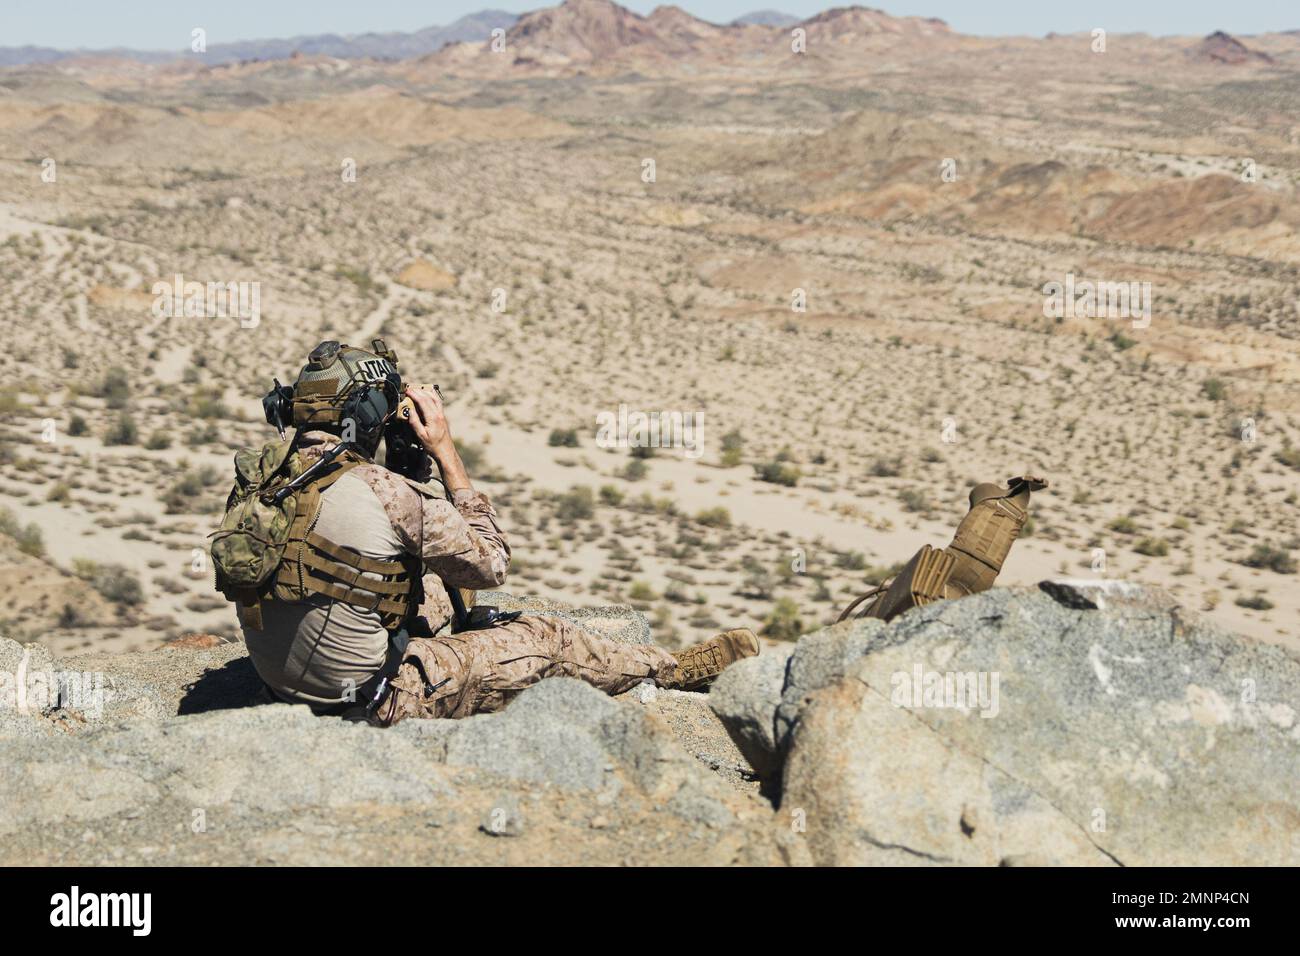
(249, 543)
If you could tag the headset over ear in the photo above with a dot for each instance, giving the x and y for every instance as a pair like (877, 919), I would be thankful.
(370, 406)
(277, 405)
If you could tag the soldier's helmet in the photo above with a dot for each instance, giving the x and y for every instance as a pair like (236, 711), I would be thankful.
(346, 388)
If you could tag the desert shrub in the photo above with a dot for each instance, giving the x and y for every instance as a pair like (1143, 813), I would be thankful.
(1152, 547)
(851, 560)
(758, 582)
(1255, 602)
(714, 518)
(576, 504)
(1273, 558)
(914, 499)
(1123, 525)
(115, 582)
(183, 494)
(77, 425)
(72, 616)
(778, 473)
(887, 467)
(783, 622)
(733, 445)
(563, 438)
(1214, 389)
(123, 431)
(641, 593)
(207, 405)
(610, 495)
(203, 434)
(28, 537)
(362, 279)
(114, 388)
(636, 470)
(676, 594)
(158, 439)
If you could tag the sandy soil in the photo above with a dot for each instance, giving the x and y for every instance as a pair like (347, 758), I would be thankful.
(1171, 447)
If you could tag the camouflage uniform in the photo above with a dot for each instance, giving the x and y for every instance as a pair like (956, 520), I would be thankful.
(487, 668)
(462, 544)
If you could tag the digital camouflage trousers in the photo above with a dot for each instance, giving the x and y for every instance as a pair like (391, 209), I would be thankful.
(480, 671)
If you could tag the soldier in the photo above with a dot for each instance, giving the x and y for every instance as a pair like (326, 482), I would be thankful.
(357, 621)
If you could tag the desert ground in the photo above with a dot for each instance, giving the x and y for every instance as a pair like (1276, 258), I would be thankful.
(836, 256)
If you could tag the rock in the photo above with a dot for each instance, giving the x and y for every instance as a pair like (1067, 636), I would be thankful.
(32, 688)
(16, 724)
(745, 698)
(561, 732)
(819, 660)
(77, 693)
(224, 763)
(564, 733)
(31, 658)
(503, 818)
(275, 784)
(617, 622)
(70, 694)
(1106, 726)
(1125, 735)
(1096, 594)
(759, 699)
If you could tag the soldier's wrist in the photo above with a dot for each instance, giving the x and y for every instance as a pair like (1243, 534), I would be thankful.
(441, 448)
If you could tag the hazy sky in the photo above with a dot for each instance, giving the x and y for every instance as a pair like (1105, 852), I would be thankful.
(166, 24)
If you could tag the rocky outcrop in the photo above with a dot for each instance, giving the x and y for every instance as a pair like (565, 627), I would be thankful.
(172, 756)
(1069, 724)
(1074, 723)
(1222, 48)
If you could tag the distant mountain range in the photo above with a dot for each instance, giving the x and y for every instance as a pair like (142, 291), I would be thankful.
(475, 27)
(379, 46)
(580, 34)
(767, 18)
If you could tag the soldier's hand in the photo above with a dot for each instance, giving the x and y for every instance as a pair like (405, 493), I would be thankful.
(429, 422)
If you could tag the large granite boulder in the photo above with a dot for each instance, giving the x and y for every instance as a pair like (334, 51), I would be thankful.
(1063, 724)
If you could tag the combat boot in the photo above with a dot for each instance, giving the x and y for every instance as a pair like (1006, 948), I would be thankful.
(699, 664)
(967, 566)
